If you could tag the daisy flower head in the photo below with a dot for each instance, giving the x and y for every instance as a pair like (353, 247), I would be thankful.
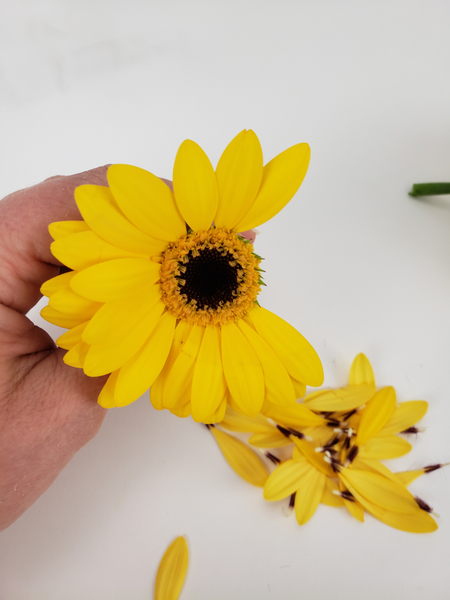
(162, 291)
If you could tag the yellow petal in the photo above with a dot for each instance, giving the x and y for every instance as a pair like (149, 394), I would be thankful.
(243, 372)
(373, 466)
(116, 279)
(234, 421)
(376, 414)
(172, 570)
(71, 303)
(139, 373)
(146, 201)
(361, 371)
(100, 211)
(62, 229)
(296, 353)
(282, 177)
(407, 477)
(272, 438)
(296, 416)
(195, 186)
(239, 174)
(115, 319)
(72, 337)
(355, 509)
(218, 415)
(405, 416)
(342, 399)
(308, 495)
(179, 380)
(85, 249)
(241, 458)
(299, 388)
(314, 458)
(105, 358)
(286, 479)
(328, 497)
(61, 319)
(379, 490)
(76, 356)
(182, 411)
(208, 384)
(279, 388)
(384, 447)
(106, 398)
(60, 282)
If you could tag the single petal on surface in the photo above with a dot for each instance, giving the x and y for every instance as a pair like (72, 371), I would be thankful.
(105, 358)
(195, 186)
(314, 458)
(234, 421)
(139, 373)
(355, 509)
(361, 371)
(239, 174)
(282, 177)
(68, 301)
(62, 229)
(376, 414)
(146, 201)
(328, 497)
(279, 388)
(296, 353)
(179, 379)
(243, 372)
(76, 356)
(72, 337)
(405, 416)
(61, 319)
(172, 570)
(379, 490)
(115, 319)
(85, 249)
(299, 388)
(208, 384)
(60, 282)
(116, 279)
(272, 438)
(383, 447)
(106, 397)
(101, 212)
(286, 479)
(308, 495)
(374, 466)
(341, 399)
(241, 458)
(407, 477)
(294, 416)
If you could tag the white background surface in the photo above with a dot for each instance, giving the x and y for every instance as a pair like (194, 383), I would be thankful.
(352, 262)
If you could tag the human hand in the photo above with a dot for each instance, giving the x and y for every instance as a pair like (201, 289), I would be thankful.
(48, 410)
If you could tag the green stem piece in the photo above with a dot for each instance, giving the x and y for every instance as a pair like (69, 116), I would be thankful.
(429, 189)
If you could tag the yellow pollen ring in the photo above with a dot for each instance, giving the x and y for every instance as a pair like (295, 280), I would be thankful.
(175, 263)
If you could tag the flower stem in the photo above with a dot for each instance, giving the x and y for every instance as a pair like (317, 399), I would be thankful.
(429, 189)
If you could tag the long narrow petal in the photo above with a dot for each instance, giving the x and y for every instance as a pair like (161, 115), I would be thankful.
(139, 373)
(106, 398)
(271, 438)
(286, 479)
(147, 202)
(374, 466)
(208, 385)
(218, 415)
(179, 380)
(100, 211)
(60, 282)
(314, 458)
(72, 337)
(62, 229)
(115, 319)
(294, 416)
(242, 369)
(71, 303)
(107, 357)
(116, 279)
(361, 371)
(85, 249)
(76, 356)
(241, 458)
(239, 174)
(407, 477)
(376, 414)
(296, 353)
(234, 421)
(282, 177)
(299, 388)
(405, 415)
(308, 495)
(279, 388)
(328, 497)
(385, 447)
(341, 399)
(61, 319)
(195, 186)
(172, 570)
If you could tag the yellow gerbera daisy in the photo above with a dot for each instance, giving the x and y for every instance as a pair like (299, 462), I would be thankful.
(163, 288)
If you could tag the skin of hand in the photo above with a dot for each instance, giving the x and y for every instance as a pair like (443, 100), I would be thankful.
(48, 410)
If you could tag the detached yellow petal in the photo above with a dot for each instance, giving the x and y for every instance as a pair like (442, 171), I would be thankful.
(308, 495)
(172, 570)
(195, 186)
(328, 497)
(147, 202)
(239, 174)
(271, 438)
(315, 458)
(342, 399)
(282, 177)
(405, 416)
(296, 416)
(296, 353)
(240, 458)
(376, 414)
(407, 477)
(234, 421)
(286, 479)
(361, 371)
(383, 447)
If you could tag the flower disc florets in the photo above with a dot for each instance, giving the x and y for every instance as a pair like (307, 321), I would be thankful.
(210, 277)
